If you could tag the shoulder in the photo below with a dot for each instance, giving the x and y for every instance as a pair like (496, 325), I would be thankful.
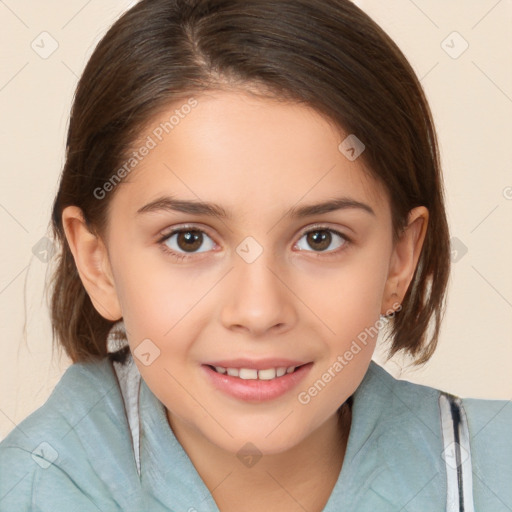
(484, 416)
(83, 388)
(490, 428)
(488, 417)
(65, 453)
(413, 430)
(489, 422)
(395, 444)
(403, 402)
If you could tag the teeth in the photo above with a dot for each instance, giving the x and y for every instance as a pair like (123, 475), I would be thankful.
(245, 373)
(252, 374)
(267, 374)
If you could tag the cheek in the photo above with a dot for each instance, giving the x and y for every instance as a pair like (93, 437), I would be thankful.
(350, 294)
(350, 305)
(162, 303)
(151, 296)
(155, 302)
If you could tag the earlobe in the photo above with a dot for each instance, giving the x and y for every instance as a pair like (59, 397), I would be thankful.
(405, 257)
(92, 262)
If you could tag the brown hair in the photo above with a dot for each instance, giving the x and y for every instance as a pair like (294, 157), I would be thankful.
(327, 54)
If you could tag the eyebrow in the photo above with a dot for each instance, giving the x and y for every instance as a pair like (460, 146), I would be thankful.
(215, 210)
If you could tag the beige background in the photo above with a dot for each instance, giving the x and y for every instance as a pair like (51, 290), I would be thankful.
(471, 97)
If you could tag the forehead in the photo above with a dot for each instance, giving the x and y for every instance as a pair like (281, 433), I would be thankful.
(247, 153)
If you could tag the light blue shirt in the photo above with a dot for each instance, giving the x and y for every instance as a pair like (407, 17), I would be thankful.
(80, 452)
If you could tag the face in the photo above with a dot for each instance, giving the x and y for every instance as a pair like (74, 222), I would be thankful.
(258, 281)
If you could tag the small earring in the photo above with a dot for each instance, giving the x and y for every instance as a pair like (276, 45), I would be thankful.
(393, 311)
(116, 338)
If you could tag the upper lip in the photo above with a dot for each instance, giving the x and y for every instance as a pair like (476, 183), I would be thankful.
(261, 364)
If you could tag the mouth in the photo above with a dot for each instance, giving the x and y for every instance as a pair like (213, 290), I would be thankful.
(254, 374)
(256, 385)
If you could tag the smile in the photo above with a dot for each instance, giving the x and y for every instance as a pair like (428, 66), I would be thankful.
(252, 374)
(252, 385)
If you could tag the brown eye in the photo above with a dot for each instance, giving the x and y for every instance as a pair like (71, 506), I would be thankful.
(321, 239)
(188, 241)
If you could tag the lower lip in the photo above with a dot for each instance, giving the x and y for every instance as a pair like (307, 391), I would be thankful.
(255, 390)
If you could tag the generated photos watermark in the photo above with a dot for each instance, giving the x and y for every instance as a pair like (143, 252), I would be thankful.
(342, 360)
(151, 142)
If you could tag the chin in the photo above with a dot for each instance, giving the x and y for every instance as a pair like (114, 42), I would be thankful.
(254, 441)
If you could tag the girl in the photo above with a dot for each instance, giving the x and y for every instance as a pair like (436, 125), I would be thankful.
(252, 190)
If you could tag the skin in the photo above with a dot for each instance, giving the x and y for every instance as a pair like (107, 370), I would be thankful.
(257, 158)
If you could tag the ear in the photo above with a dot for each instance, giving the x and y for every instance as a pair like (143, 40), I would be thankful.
(404, 259)
(92, 262)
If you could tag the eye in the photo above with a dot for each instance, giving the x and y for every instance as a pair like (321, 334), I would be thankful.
(320, 238)
(183, 242)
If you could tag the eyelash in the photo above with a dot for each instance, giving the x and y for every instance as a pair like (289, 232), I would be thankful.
(182, 256)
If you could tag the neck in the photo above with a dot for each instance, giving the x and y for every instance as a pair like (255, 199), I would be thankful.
(300, 478)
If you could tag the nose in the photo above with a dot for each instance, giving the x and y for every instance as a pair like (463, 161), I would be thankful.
(258, 300)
